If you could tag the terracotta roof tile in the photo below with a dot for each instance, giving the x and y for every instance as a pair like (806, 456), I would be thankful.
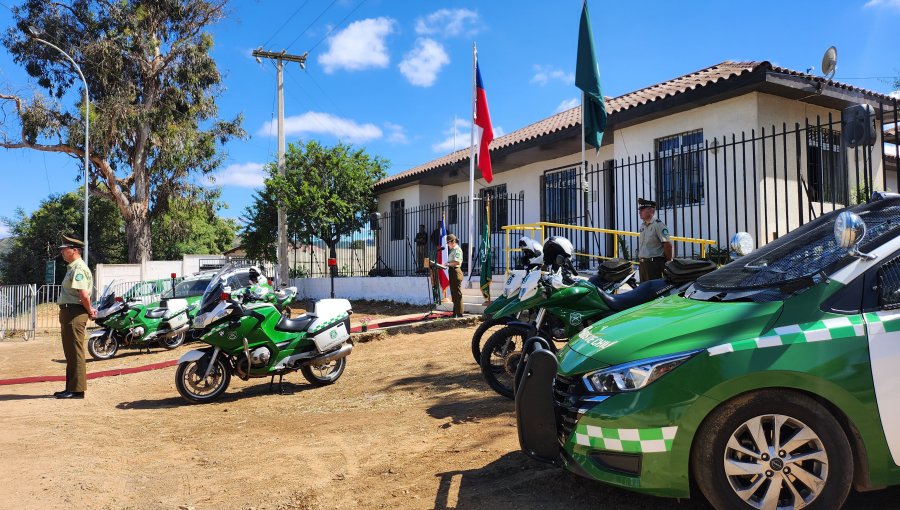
(569, 118)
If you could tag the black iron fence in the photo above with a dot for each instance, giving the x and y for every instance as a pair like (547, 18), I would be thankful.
(764, 182)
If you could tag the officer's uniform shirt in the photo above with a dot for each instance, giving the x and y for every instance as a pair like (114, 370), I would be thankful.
(455, 255)
(653, 235)
(78, 277)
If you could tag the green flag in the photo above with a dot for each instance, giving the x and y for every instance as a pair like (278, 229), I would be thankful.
(587, 78)
(486, 270)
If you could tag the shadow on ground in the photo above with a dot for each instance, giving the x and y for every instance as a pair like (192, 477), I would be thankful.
(516, 481)
(256, 390)
(7, 398)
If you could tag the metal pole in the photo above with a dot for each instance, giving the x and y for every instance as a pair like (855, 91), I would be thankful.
(472, 166)
(87, 135)
(283, 274)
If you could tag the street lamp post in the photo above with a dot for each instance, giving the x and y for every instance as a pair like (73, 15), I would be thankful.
(35, 35)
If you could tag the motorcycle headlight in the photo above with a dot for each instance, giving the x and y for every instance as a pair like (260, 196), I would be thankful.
(634, 375)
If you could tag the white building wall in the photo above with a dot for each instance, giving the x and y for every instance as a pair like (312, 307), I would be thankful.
(412, 290)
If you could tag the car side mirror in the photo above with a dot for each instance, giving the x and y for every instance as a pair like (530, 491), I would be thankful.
(849, 231)
(741, 243)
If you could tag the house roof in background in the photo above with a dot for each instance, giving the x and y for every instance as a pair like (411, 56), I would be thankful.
(696, 81)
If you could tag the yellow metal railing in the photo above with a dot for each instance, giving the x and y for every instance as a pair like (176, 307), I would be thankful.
(537, 231)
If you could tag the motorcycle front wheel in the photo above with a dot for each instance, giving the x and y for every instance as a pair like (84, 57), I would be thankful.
(104, 346)
(500, 358)
(487, 325)
(172, 342)
(198, 390)
(325, 374)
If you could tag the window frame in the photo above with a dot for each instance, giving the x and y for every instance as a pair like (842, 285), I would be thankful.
(685, 154)
(398, 219)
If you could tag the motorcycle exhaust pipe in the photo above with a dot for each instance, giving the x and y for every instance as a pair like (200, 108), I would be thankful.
(175, 332)
(343, 352)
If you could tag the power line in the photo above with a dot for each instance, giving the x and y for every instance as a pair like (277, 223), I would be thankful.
(311, 24)
(338, 25)
(285, 23)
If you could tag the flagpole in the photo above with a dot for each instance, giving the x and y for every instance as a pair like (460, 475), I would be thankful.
(472, 164)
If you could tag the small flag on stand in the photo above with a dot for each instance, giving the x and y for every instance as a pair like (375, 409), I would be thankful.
(442, 256)
(486, 258)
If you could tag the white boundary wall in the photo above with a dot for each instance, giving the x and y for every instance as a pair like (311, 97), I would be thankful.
(400, 289)
(147, 270)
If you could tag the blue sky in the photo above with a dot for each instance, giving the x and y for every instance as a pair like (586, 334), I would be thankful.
(395, 76)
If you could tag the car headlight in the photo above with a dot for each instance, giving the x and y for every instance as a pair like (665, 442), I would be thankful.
(634, 375)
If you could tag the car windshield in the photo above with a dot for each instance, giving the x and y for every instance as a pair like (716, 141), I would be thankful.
(192, 287)
(809, 250)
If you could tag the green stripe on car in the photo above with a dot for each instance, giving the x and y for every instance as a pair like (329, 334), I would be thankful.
(835, 328)
(651, 440)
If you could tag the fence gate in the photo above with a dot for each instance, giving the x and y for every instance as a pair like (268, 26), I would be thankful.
(17, 310)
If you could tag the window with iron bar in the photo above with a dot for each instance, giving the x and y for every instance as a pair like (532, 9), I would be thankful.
(452, 210)
(560, 204)
(499, 206)
(826, 182)
(679, 170)
(398, 220)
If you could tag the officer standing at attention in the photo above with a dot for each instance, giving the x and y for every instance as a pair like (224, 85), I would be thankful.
(654, 244)
(74, 310)
(454, 261)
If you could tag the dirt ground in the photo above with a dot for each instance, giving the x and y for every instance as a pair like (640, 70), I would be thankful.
(410, 425)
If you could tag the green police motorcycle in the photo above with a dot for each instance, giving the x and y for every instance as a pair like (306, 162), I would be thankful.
(128, 324)
(566, 305)
(532, 260)
(256, 340)
(770, 383)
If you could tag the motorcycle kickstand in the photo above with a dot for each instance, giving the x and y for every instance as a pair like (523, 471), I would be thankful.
(280, 384)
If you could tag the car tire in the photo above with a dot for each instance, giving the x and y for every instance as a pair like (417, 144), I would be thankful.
(733, 472)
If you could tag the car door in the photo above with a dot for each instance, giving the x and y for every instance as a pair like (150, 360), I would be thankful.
(883, 326)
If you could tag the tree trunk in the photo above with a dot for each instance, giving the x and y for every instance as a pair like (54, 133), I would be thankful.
(137, 235)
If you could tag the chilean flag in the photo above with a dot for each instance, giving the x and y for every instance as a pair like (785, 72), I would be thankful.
(483, 121)
(442, 255)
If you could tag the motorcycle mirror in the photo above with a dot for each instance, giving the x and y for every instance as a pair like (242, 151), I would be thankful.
(741, 243)
(849, 231)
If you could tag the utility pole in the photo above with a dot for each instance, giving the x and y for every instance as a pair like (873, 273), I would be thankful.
(282, 276)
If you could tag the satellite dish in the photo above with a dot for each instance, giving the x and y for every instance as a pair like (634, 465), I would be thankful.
(829, 62)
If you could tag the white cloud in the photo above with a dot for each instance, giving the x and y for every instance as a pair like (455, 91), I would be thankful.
(422, 65)
(895, 4)
(359, 46)
(448, 23)
(4, 231)
(395, 133)
(455, 138)
(568, 104)
(245, 175)
(544, 74)
(324, 124)
(895, 94)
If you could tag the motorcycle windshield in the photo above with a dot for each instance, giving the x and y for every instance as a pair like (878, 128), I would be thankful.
(108, 297)
(213, 291)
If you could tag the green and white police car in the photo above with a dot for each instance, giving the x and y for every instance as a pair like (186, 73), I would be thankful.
(772, 383)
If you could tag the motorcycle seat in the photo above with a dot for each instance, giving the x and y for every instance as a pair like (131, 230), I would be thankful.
(295, 325)
(156, 313)
(643, 293)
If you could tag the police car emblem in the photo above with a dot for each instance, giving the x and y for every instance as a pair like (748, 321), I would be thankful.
(232, 335)
(333, 334)
(575, 319)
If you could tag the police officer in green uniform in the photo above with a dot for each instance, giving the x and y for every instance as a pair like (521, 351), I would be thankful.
(454, 261)
(654, 244)
(74, 311)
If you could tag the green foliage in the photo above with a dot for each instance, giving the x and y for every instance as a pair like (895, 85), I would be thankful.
(260, 226)
(624, 250)
(35, 237)
(327, 192)
(153, 90)
(189, 225)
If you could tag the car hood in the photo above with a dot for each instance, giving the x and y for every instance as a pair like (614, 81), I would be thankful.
(671, 325)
